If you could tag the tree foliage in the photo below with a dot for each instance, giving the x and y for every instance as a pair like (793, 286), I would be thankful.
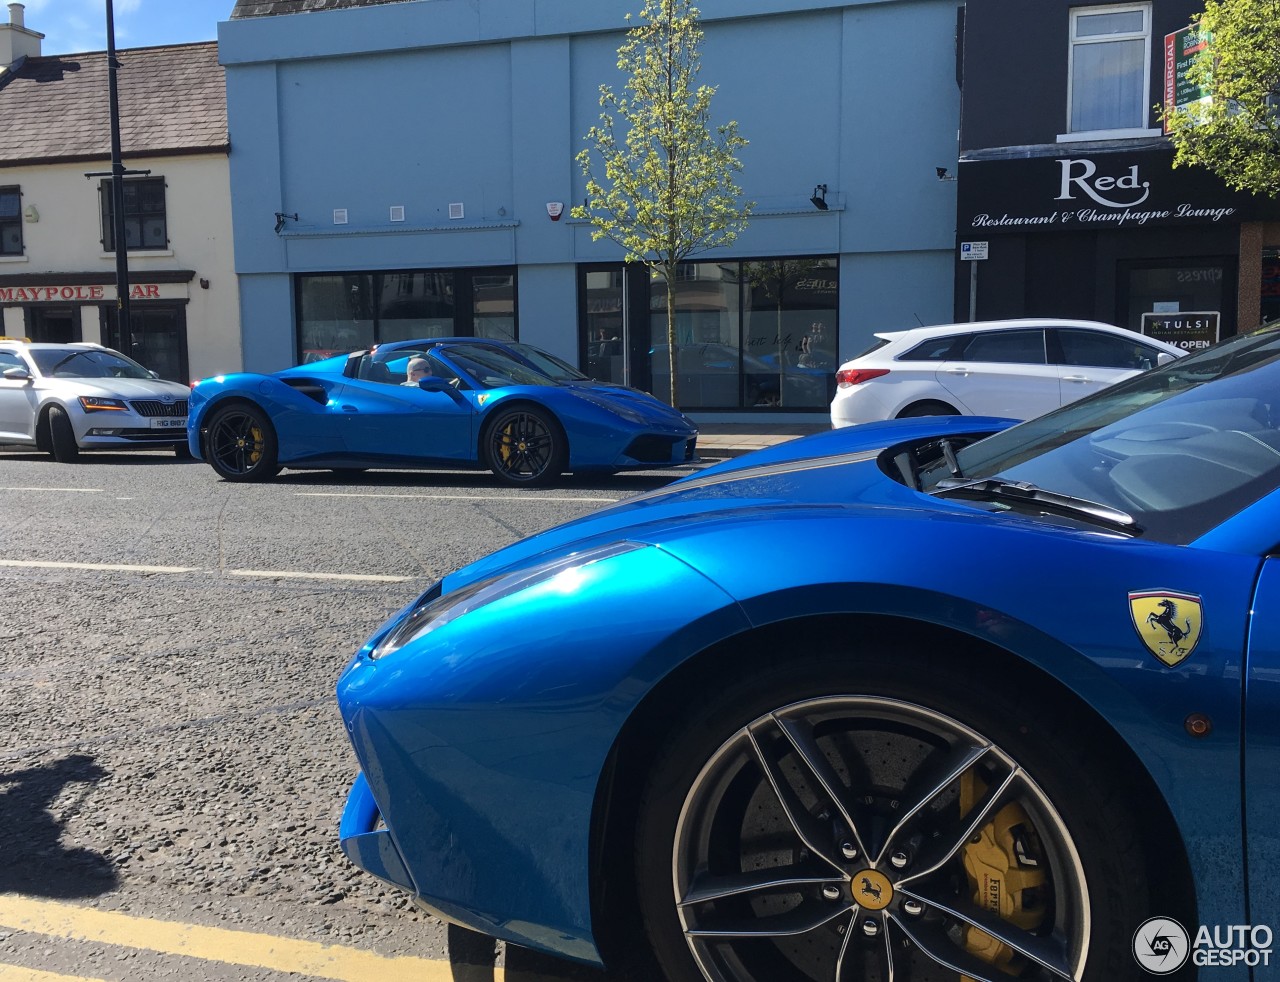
(1236, 132)
(660, 175)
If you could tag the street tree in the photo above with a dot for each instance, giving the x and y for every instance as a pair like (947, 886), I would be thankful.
(1235, 131)
(660, 175)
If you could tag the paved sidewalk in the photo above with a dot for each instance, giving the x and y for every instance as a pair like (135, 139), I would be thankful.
(735, 439)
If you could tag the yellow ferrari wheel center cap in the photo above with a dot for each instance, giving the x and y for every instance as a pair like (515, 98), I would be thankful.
(871, 889)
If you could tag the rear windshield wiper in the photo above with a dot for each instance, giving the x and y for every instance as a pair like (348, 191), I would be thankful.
(1021, 492)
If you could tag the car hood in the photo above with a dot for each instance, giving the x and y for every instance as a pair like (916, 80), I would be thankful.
(118, 388)
(836, 469)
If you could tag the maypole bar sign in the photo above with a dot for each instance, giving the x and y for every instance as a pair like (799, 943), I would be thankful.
(87, 292)
(1181, 49)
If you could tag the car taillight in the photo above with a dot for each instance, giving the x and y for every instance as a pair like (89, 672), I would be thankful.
(852, 376)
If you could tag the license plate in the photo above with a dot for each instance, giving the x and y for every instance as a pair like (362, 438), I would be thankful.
(176, 423)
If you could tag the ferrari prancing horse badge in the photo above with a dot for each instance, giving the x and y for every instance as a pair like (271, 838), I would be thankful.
(1169, 624)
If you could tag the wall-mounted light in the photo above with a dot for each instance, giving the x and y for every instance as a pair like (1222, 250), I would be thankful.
(943, 174)
(204, 282)
(30, 215)
(819, 198)
(280, 217)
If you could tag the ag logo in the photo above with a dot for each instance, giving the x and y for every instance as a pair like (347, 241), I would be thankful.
(1169, 624)
(1161, 945)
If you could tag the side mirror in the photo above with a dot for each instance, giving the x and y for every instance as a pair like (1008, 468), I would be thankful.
(17, 375)
(433, 383)
(1164, 358)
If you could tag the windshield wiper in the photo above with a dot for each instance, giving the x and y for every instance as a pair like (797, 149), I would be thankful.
(63, 361)
(1021, 492)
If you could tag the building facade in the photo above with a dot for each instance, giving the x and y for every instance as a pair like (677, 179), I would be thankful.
(57, 247)
(406, 169)
(1067, 191)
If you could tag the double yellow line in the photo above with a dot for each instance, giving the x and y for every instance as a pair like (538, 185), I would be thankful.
(245, 948)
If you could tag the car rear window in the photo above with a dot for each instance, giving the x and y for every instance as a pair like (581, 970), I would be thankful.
(935, 349)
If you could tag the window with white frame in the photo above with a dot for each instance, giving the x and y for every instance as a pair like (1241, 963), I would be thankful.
(1109, 65)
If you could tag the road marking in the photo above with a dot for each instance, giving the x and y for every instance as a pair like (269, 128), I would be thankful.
(215, 944)
(276, 574)
(67, 490)
(366, 577)
(108, 567)
(15, 973)
(447, 497)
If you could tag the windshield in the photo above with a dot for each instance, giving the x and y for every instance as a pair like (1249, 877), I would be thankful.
(492, 368)
(1180, 448)
(86, 363)
(548, 363)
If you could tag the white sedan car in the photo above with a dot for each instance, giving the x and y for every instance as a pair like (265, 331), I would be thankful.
(64, 398)
(1013, 368)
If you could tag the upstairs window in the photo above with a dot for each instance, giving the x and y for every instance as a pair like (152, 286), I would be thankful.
(1110, 70)
(145, 225)
(10, 221)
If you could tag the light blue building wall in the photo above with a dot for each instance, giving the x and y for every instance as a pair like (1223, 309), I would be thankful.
(431, 103)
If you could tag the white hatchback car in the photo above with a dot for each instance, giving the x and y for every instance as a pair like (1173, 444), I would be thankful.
(1013, 368)
(64, 398)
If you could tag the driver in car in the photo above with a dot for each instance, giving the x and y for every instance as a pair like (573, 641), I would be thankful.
(418, 369)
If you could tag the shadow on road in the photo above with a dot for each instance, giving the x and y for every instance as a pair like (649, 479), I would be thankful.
(472, 956)
(616, 485)
(36, 861)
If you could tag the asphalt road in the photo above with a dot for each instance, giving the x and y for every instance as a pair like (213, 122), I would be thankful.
(173, 766)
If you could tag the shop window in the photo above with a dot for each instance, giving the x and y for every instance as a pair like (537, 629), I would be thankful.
(758, 333)
(145, 222)
(343, 312)
(10, 221)
(1109, 66)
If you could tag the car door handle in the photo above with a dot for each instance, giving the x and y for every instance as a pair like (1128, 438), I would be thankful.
(350, 409)
(1076, 378)
(956, 371)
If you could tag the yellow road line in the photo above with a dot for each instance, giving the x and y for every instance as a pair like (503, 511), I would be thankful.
(14, 973)
(217, 944)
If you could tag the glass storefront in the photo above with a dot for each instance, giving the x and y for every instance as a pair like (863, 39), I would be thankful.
(341, 312)
(748, 334)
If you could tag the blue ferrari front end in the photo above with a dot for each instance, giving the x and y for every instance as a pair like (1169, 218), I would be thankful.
(933, 698)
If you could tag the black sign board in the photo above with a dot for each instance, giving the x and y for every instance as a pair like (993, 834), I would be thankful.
(1072, 192)
(1191, 330)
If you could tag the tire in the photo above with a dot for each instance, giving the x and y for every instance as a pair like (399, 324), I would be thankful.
(525, 447)
(241, 444)
(928, 408)
(1012, 817)
(62, 438)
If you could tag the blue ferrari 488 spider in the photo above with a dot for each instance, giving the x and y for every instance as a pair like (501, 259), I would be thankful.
(930, 699)
(512, 408)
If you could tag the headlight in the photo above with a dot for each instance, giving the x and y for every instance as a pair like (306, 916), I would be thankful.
(434, 611)
(616, 406)
(92, 404)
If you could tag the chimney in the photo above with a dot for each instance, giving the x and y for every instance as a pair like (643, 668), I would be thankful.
(16, 41)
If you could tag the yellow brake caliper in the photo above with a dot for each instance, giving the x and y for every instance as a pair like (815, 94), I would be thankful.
(256, 453)
(1005, 879)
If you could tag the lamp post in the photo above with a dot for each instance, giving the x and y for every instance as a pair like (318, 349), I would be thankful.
(124, 323)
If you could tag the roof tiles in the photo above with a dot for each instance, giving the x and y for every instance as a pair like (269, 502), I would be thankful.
(173, 99)
(270, 8)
